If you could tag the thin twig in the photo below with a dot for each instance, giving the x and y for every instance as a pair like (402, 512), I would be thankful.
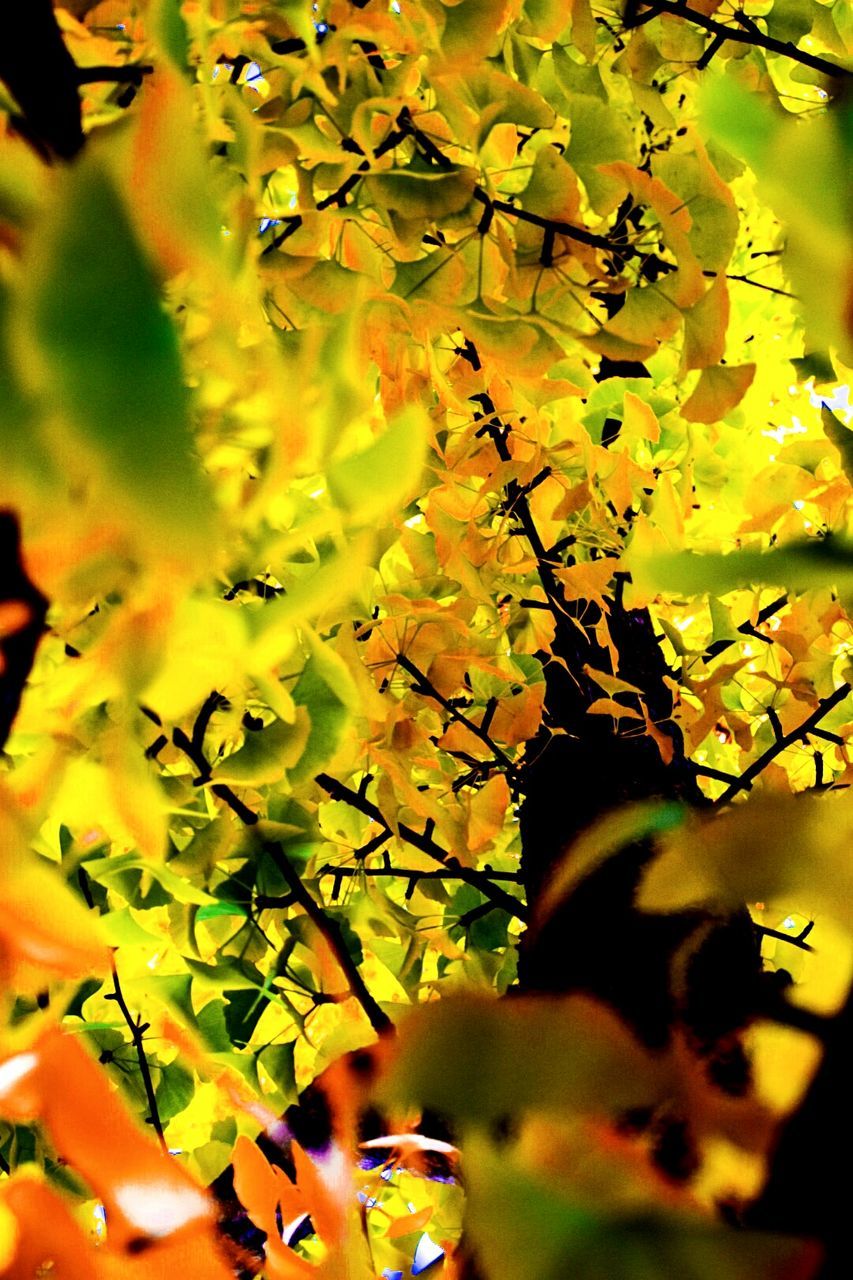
(410, 874)
(747, 629)
(137, 1030)
(329, 929)
(333, 936)
(131, 74)
(797, 940)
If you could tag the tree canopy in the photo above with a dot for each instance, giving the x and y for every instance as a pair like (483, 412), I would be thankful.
(426, 645)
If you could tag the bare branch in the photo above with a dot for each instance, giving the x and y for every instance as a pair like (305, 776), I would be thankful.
(329, 929)
(746, 779)
(425, 686)
(137, 1030)
(426, 844)
(749, 34)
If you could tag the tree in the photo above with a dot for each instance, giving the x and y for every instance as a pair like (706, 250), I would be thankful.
(427, 429)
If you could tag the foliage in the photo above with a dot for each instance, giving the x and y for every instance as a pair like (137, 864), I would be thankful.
(364, 363)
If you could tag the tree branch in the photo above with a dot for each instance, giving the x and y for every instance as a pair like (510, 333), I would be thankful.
(426, 844)
(333, 936)
(137, 1030)
(796, 940)
(128, 74)
(329, 929)
(425, 686)
(412, 874)
(746, 779)
(751, 35)
(518, 506)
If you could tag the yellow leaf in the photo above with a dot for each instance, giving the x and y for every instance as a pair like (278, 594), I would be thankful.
(719, 390)
(705, 325)
(587, 581)
(608, 707)
(42, 923)
(486, 813)
(610, 684)
(370, 485)
(638, 419)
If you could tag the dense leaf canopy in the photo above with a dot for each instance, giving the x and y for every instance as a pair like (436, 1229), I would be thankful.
(427, 428)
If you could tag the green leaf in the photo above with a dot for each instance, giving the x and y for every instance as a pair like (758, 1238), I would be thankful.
(381, 478)
(591, 1062)
(121, 929)
(420, 191)
(110, 869)
(266, 754)
(790, 20)
(174, 1091)
(215, 909)
(112, 356)
(521, 1223)
(500, 99)
(600, 135)
(841, 436)
(278, 1062)
(329, 719)
(799, 566)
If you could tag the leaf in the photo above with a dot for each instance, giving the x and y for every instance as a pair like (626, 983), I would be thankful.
(145, 1192)
(95, 313)
(787, 847)
(380, 479)
(333, 582)
(420, 192)
(841, 436)
(267, 754)
(510, 1206)
(410, 1222)
(799, 566)
(42, 923)
(719, 390)
(499, 98)
(705, 325)
(486, 812)
(329, 717)
(609, 707)
(182, 890)
(599, 137)
(441, 1048)
(522, 347)
(175, 1090)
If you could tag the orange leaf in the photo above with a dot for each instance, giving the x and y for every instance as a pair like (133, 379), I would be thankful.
(486, 812)
(49, 1241)
(256, 1184)
(410, 1222)
(41, 922)
(327, 1210)
(146, 1194)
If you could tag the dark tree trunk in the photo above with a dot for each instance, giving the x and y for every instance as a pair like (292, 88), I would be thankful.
(580, 767)
(807, 1192)
(18, 646)
(42, 76)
